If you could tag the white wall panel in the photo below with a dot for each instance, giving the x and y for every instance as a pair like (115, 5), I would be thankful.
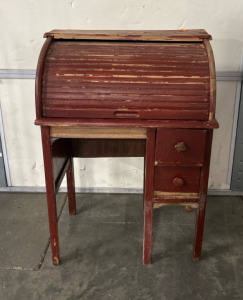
(226, 93)
(23, 138)
(23, 24)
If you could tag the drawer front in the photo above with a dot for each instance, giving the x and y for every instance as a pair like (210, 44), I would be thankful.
(180, 146)
(177, 179)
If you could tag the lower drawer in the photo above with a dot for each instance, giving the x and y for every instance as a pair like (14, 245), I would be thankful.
(177, 179)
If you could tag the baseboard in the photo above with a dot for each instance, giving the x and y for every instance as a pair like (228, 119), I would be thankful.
(26, 189)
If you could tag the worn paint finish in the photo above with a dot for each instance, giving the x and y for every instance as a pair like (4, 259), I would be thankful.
(83, 79)
(166, 147)
(131, 35)
(50, 192)
(113, 83)
(202, 199)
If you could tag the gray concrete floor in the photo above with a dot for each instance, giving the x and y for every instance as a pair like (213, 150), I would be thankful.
(101, 250)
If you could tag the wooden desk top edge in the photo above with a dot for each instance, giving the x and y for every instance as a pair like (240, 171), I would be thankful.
(131, 35)
(126, 123)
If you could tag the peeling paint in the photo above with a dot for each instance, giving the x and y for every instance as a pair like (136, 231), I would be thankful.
(56, 260)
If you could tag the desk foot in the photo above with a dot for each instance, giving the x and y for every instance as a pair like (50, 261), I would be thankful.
(56, 261)
(196, 259)
(72, 213)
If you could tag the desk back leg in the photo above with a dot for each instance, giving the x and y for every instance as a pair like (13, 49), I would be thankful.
(71, 188)
(51, 195)
(148, 195)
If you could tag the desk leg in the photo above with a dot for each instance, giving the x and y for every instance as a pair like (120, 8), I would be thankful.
(147, 242)
(51, 196)
(148, 195)
(199, 229)
(71, 188)
(202, 199)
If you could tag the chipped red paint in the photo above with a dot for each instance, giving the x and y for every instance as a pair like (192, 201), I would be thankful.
(159, 81)
(148, 80)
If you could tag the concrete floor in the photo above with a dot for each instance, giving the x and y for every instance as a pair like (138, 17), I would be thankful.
(101, 250)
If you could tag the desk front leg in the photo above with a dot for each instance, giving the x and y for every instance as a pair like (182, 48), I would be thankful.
(202, 199)
(148, 195)
(51, 195)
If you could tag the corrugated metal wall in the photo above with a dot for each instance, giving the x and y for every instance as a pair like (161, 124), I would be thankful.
(237, 171)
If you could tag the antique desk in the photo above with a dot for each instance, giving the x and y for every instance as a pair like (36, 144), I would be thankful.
(129, 93)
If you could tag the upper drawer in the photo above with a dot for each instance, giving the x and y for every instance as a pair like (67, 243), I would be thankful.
(180, 146)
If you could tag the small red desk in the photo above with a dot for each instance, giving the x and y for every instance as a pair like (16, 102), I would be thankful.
(129, 93)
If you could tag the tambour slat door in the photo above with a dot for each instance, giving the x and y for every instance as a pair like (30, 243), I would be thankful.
(121, 79)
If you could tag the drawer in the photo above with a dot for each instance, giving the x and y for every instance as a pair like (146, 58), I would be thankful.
(177, 179)
(180, 146)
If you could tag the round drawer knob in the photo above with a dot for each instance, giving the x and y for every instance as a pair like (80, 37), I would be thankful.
(181, 147)
(178, 182)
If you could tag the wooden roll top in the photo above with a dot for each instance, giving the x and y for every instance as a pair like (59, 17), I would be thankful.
(144, 75)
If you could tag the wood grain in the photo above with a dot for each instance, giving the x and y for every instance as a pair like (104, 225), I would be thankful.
(133, 35)
(86, 79)
(190, 204)
(212, 79)
(174, 195)
(105, 123)
(39, 76)
(108, 147)
(92, 132)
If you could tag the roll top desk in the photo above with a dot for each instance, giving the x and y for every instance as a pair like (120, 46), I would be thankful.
(129, 93)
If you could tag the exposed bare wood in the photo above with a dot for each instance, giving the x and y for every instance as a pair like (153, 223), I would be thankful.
(171, 195)
(39, 76)
(188, 208)
(184, 164)
(96, 123)
(155, 35)
(212, 79)
(126, 80)
(92, 132)
(193, 205)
